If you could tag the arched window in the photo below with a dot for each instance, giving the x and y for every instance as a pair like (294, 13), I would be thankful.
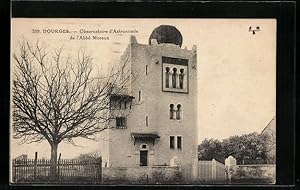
(178, 112)
(174, 78)
(167, 77)
(172, 111)
(181, 75)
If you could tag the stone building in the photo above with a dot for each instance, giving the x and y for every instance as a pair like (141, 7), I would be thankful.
(156, 116)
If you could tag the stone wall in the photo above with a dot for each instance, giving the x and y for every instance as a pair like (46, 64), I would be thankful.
(254, 171)
(259, 173)
(141, 175)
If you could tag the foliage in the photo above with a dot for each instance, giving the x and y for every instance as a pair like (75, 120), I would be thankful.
(91, 156)
(245, 148)
(177, 177)
(159, 176)
(209, 149)
(240, 173)
(143, 179)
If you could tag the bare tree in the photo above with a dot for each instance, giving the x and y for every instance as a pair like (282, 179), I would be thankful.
(58, 98)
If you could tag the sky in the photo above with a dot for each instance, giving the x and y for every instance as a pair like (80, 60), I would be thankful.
(236, 69)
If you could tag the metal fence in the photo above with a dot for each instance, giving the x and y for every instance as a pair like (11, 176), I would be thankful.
(68, 170)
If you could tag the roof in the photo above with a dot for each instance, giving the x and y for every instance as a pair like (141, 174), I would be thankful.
(166, 34)
(144, 135)
(121, 97)
(271, 127)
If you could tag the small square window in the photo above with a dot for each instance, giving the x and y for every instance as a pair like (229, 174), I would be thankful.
(120, 122)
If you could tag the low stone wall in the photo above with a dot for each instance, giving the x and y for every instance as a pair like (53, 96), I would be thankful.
(246, 174)
(254, 172)
(141, 175)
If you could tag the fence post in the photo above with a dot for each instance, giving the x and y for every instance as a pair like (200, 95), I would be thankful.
(213, 169)
(14, 170)
(99, 168)
(194, 168)
(35, 165)
(58, 166)
(230, 164)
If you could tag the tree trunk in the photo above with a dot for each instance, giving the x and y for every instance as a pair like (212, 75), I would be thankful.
(53, 162)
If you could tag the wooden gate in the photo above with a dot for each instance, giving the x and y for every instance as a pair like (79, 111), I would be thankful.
(211, 171)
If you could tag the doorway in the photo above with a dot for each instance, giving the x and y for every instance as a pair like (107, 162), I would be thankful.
(143, 157)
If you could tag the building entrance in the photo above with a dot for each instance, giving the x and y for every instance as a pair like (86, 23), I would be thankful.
(143, 157)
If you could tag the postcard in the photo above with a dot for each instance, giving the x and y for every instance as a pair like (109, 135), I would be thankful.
(143, 101)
